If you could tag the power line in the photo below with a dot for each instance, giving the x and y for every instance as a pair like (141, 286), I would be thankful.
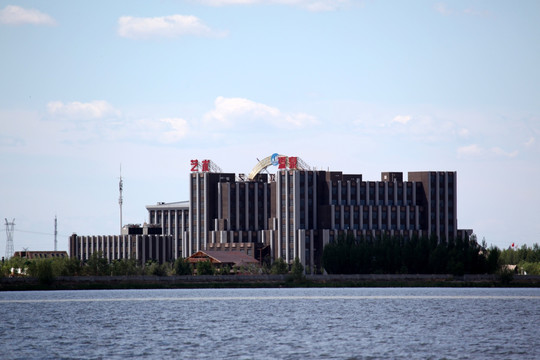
(38, 232)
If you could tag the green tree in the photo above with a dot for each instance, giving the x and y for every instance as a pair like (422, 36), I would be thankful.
(97, 265)
(125, 267)
(224, 270)
(493, 260)
(42, 269)
(182, 267)
(530, 268)
(154, 268)
(205, 268)
(279, 267)
(297, 270)
(69, 267)
(345, 255)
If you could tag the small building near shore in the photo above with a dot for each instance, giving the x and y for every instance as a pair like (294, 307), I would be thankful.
(40, 254)
(223, 258)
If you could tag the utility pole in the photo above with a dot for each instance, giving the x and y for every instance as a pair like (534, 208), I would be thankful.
(9, 243)
(55, 233)
(120, 200)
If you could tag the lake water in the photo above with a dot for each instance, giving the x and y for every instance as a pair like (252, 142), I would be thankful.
(319, 323)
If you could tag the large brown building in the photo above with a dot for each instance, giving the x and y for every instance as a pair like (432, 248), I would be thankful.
(292, 213)
(295, 212)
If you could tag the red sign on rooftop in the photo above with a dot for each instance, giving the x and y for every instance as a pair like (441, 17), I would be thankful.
(287, 161)
(203, 165)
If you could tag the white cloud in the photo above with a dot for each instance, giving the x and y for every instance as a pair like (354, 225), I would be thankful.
(93, 110)
(103, 123)
(178, 129)
(16, 15)
(464, 132)
(311, 5)
(501, 152)
(230, 111)
(474, 150)
(470, 150)
(474, 12)
(443, 9)
(530, 142)
(402, 119)
(164, 26)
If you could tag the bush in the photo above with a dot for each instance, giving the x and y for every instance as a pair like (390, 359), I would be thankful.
(97, 265)
(205, 268)
(297, 271)
(182, 267)
(125, 267)
(506, 276)
(42, 269)
(279, 267)
(225, 270)
(156, 269)
(69, 267)
(531, 268)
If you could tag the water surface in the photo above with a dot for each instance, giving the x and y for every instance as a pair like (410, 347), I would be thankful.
(318, 323)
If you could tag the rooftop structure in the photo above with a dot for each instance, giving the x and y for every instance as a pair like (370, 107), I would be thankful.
(223, 258)
(40, 254)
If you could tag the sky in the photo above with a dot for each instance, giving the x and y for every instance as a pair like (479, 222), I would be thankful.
(87, 87)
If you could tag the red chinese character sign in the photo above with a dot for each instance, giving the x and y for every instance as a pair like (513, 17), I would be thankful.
(285, 162)
(293, 162)
(282, 162)
(204, 166)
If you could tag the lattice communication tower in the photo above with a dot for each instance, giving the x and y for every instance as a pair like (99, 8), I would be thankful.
(9, 243)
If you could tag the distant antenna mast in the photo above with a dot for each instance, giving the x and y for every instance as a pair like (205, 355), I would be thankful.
(120, 200)
(9, 233)
(55, 233)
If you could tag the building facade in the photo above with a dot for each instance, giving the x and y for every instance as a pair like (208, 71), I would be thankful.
(298, 211)
(140, 243)
(291, 214)
(173, 219)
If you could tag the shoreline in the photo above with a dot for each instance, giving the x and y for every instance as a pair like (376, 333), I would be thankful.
(265, 281)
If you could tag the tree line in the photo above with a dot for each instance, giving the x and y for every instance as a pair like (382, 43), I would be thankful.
(346, 255)
(48, 269)
(418, 255)
(527, 258)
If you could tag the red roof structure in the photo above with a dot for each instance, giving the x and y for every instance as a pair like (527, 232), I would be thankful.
(222, 258)
(40, 254)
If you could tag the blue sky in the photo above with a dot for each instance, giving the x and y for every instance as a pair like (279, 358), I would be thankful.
(357, 86)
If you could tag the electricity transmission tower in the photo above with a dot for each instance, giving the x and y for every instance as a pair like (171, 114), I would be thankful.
(120, 200)
(55, 233)
(9, 243)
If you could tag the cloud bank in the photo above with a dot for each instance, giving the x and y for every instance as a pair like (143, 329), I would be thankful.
(171, 26)
(79, 110)
(311, 5)
(16, 15)
(232, 111)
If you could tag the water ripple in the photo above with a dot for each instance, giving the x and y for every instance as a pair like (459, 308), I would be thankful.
(271, 323)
